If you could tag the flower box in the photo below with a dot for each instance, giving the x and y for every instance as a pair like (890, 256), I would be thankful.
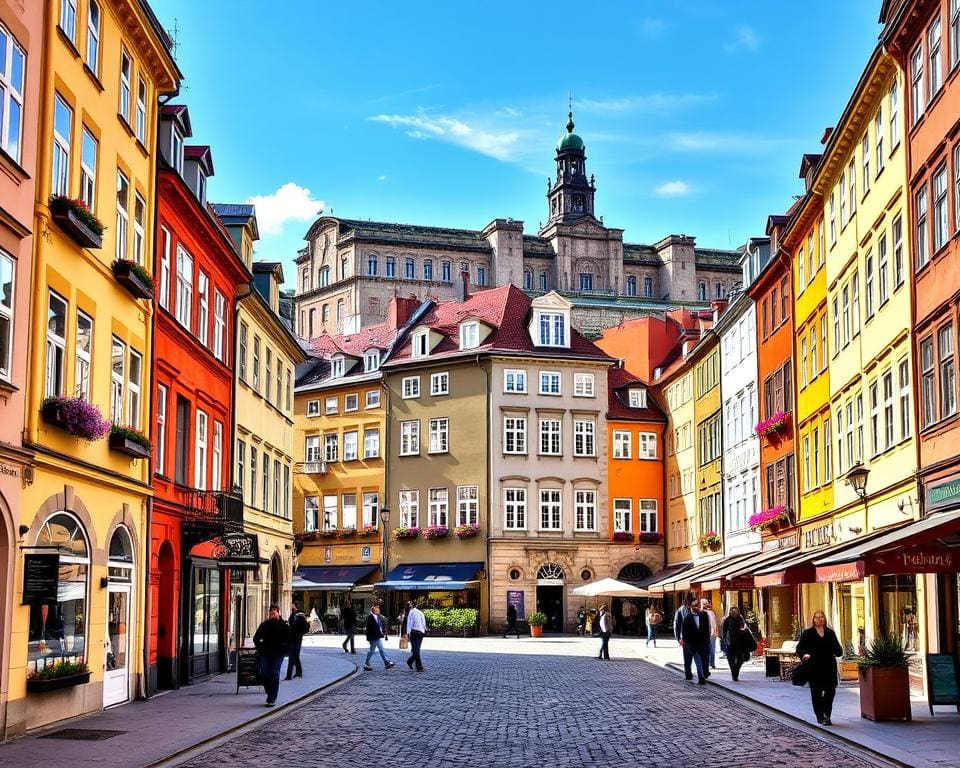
(774, 427)
(368, 530)
(651, 537)
(405, 533)
(76, 416)
(622, 536)
(134, 278)
(466, 531)
(78, 221)
(44, 684)
(770, 519)
(328, 533)
(344, 533)
(308, 536)
(710, 540)
(129, 441)
(435, 532)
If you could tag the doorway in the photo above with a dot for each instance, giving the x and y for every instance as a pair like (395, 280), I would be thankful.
(550, 602)
(116, 675)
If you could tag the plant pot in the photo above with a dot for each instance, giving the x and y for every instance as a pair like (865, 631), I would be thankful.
(131, 281)
(53, 415)
(536, 631)
(128, 447)
(848, 671)
(77, 229)
(885, 693)
(39, 685)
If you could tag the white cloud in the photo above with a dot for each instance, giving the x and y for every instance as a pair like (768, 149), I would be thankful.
(290, 202)
(487, 139)
(652, 28)
(653, 102)
(745, 39)
(381, 178)
(673, 189)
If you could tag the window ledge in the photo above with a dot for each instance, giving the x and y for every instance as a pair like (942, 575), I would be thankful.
(126, 125)
(7, 389)
(16, 171)
(93, 76)
(71, 46)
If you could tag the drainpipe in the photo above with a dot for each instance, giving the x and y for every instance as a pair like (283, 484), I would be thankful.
(489, 462)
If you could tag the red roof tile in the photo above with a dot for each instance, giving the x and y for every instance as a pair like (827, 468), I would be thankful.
(619, 381)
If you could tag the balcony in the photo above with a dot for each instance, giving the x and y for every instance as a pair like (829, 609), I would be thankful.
(207, 514)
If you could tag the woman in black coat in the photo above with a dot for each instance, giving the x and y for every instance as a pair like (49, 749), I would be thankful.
(736, 641)
(819, 647)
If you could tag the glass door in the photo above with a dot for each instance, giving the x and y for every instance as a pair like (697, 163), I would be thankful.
(116, 677)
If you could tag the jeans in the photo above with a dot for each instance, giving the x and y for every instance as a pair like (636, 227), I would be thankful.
(293, 657)
(821, 696)
(270, 676)
(652, 634)
(416, 640)
(701, 659)
(713, 652)
(687, 661)
(376, 645)
(604, 646)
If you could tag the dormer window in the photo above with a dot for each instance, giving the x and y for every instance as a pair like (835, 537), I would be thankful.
(638, 398)
(176, 149)
(470, 335)
(201, 187)
(421, 343)
(337, 367)
(371, 360)
(552, 330)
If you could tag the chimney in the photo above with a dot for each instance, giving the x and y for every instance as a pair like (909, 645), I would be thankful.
(718, 306)
(463, 292)
(399, 311)
(827, 132)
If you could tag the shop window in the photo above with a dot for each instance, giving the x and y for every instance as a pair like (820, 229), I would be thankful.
(898, 609)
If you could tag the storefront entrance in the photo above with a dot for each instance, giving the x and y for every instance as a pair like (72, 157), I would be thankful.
(116, 675)
(550, 581)
(852, 620)
(203, 621)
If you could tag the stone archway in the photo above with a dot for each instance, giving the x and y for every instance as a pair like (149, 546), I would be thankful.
(276, 582)
(165, 606)
(551, 579)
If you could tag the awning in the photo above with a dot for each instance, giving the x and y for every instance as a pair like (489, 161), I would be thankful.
(330, 578)
(738, 572)
(909, 548)
(656, 584)
(433, 577)
(687, 579)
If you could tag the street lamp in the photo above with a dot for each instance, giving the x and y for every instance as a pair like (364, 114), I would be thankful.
(857, 479)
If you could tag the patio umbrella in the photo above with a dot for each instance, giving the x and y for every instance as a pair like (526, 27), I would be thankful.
(609, 588)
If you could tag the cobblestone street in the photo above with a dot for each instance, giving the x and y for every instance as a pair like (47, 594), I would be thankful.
(488, 709)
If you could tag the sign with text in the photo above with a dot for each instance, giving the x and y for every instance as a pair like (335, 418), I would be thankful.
(515, 598)
(365, 553)
(923, 558)
(248, 668)
(942, 679)
(840, 572)
(41, 577)
(240, 551)
(943, 495)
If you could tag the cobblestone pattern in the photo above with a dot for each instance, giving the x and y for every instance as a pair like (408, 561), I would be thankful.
(481, 710)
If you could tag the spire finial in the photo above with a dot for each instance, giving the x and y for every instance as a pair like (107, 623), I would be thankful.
(570, 125)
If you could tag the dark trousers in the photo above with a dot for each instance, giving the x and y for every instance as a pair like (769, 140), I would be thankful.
(821, 696)
(687, 661)
(511, 627)
(270, 676)
(604, 646)
(416, 640)
(349, 638)
(701, 660)
(293, 657)
(735, 659)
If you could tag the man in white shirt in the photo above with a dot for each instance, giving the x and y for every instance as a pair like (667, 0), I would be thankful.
(416, 627)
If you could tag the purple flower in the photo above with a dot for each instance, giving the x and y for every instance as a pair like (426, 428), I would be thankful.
(79, 417)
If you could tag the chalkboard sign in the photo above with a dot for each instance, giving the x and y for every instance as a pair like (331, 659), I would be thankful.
(41, 577)
(248, 668)
(942, 680)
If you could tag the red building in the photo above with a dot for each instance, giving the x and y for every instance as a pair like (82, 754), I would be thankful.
(198, 274)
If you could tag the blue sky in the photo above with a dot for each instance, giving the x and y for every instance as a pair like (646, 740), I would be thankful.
(694, 114)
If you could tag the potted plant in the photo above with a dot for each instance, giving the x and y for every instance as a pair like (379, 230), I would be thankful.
(405, 532)
(345, 532)
(710, 541)
(134, 278)
(63, 674)
(622, 536)
(773, 427)
(466, 531)
(77, 220)
(849, 671)
(536, 621)
(435, 532)
(76, 416)
(650, 537)
(368, 530)
(884, 680)
(129, 441)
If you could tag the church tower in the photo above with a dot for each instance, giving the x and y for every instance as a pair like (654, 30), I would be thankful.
(570, 196)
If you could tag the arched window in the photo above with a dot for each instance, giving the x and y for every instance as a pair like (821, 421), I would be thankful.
(58, 628)
(550, 571)
(633, 572)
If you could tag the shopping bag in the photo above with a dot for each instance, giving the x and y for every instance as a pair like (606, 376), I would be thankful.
(404, 642)
(801, 674)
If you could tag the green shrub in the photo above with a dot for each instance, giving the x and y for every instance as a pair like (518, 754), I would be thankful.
(884, 651)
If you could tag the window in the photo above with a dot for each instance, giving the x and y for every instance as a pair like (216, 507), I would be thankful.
(550, 444)
(410, 387)
(631, 286)
(468, 505)
(420, 343)
(515, 434)
(184, 308)
(583, 384)
(217, 468)
(427, 269)
(816, 457)
(445, 271)
(550, 506)
(469, 335)
(68, 19)
(874, 419)
(814, 367)
(702, 291)
(543, 281)
(162, 394)
(648, 515)
(878, 136)
(182, 445)
(928, 411)
(371, 360)
(439, 384)
(865, 155)
(409, 269)
(894, 115)
(903, 371)
(372, 263)
(343, 267)
(515, 509)
(889, 423)
(843, 200)
(954, 33)
(268, 374)
(331, 445)
(549, 383)
(648, 287)
(852, 181)
(410, 437)
(92, 58)
(311, 511)
(585, 510)
(141, 120)
(203, 318)
(372, 399)
(827, 452)
(88, 168)
(351, 402)
(312, 449)
(584, 437)
(118, 354)
(515, 381)
(139, 213)
(330, 512)
(622, 444)
(200, 452)
(288, 391)
(176, 149)
(883, 283)
(846, 315)
(868, 284)
(371, 443)
(134, 378)
(350, 446)
(313, 407)
(948, 384)
(220, 327)
(956, 184)
(84, 348)
(123, 204)
(437, 506)
(647, 442)
(340, 312)
(552, 330)
(860, 448)
(439, 435)
(391, 266)
(256, 363)
(833, 219)
(527, 280)
(586, 281)
(622, 515)
(253, 476)
(940, 225)
(242, 362)
(125, 68)
(935, 56)
(337, 366)
(801, 279)
(410, 509)
(370, 510)
(481, 275)
(917, 101)
(62, 126)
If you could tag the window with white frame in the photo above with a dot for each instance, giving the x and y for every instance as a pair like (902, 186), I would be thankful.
(84, 349)
(585, 509)
(470, 335)
(647, 445)
(134, 379)
(331, 404)
(350, 445)
(184, 308)
(410, 387)
(515, 509)
(68, 19)
(622, 444)
(141, 119)
(329, 521)
(311, 513)
(337, 367)
(256, 363)
(883, 282)
(62, 127)
(954, 33)
(92, 56)
(220, 325)
(888, 418)
(923, 253)
(390, 269)
(437, 506)
(203, 315)
(935, 56)
(439, 383)
(420, 343)
(917, 100)
(550, 509)
(410, 509)
(940, 226)
(118, 355)
(515, 381)
(865, 157)
(216, 469)
(371, 360)
(331, 443)
(552, 329)
(312, 449)
(161, 442)
(550, 442)
(874, 419)
(56, 345)
(584, 437)
(126, 67)
(200, 457)
(176, 149)
(348, 511)
(638, 398)
(903, 375)
(253, 476)
(265, 484)
(372, 399)
(88, 166)
(410, 437)
(515, 434)
(351, 402)
(164, 297)
(123, 216)
(623, 515)
(583, 385)
(242, 352)
(549, 383)
(439, 435)
(468, 505)
(648, 515)
(371, 509)
(371, 443)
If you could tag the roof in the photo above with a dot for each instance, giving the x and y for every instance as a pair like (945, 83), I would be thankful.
(202, 154)
(410, 234)
(181, 114)
(379, 336)
(234, 209)
(619, 382)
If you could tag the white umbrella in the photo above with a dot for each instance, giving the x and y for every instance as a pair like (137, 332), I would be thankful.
(610, 588)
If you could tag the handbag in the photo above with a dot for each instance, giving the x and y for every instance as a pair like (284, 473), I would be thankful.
(801, 674)
(404, 642)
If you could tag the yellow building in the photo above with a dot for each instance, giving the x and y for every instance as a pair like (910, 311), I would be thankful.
(264, 448)
(681, 466)
(708, 445)
(102, 74)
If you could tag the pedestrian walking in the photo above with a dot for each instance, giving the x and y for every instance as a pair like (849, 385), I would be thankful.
(714, 631)
(415, 626)
(652, 617)
(271, 640)
(736, 641)
(349, 616)
(606, 629)
(511, 621)
(682, 612)
(298, 628)
(819, 648)
(376, 634)
(695, 635)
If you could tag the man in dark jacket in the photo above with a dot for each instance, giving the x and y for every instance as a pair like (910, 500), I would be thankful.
(376, 632)
(271, 639)
(349, 616)
(298, 628)
(682, 612)
(511, 621)
(695, 636)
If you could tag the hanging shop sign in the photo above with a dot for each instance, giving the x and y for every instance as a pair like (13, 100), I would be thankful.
(841, 572)
(942, 495)
(239, 550)
(923, 558)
